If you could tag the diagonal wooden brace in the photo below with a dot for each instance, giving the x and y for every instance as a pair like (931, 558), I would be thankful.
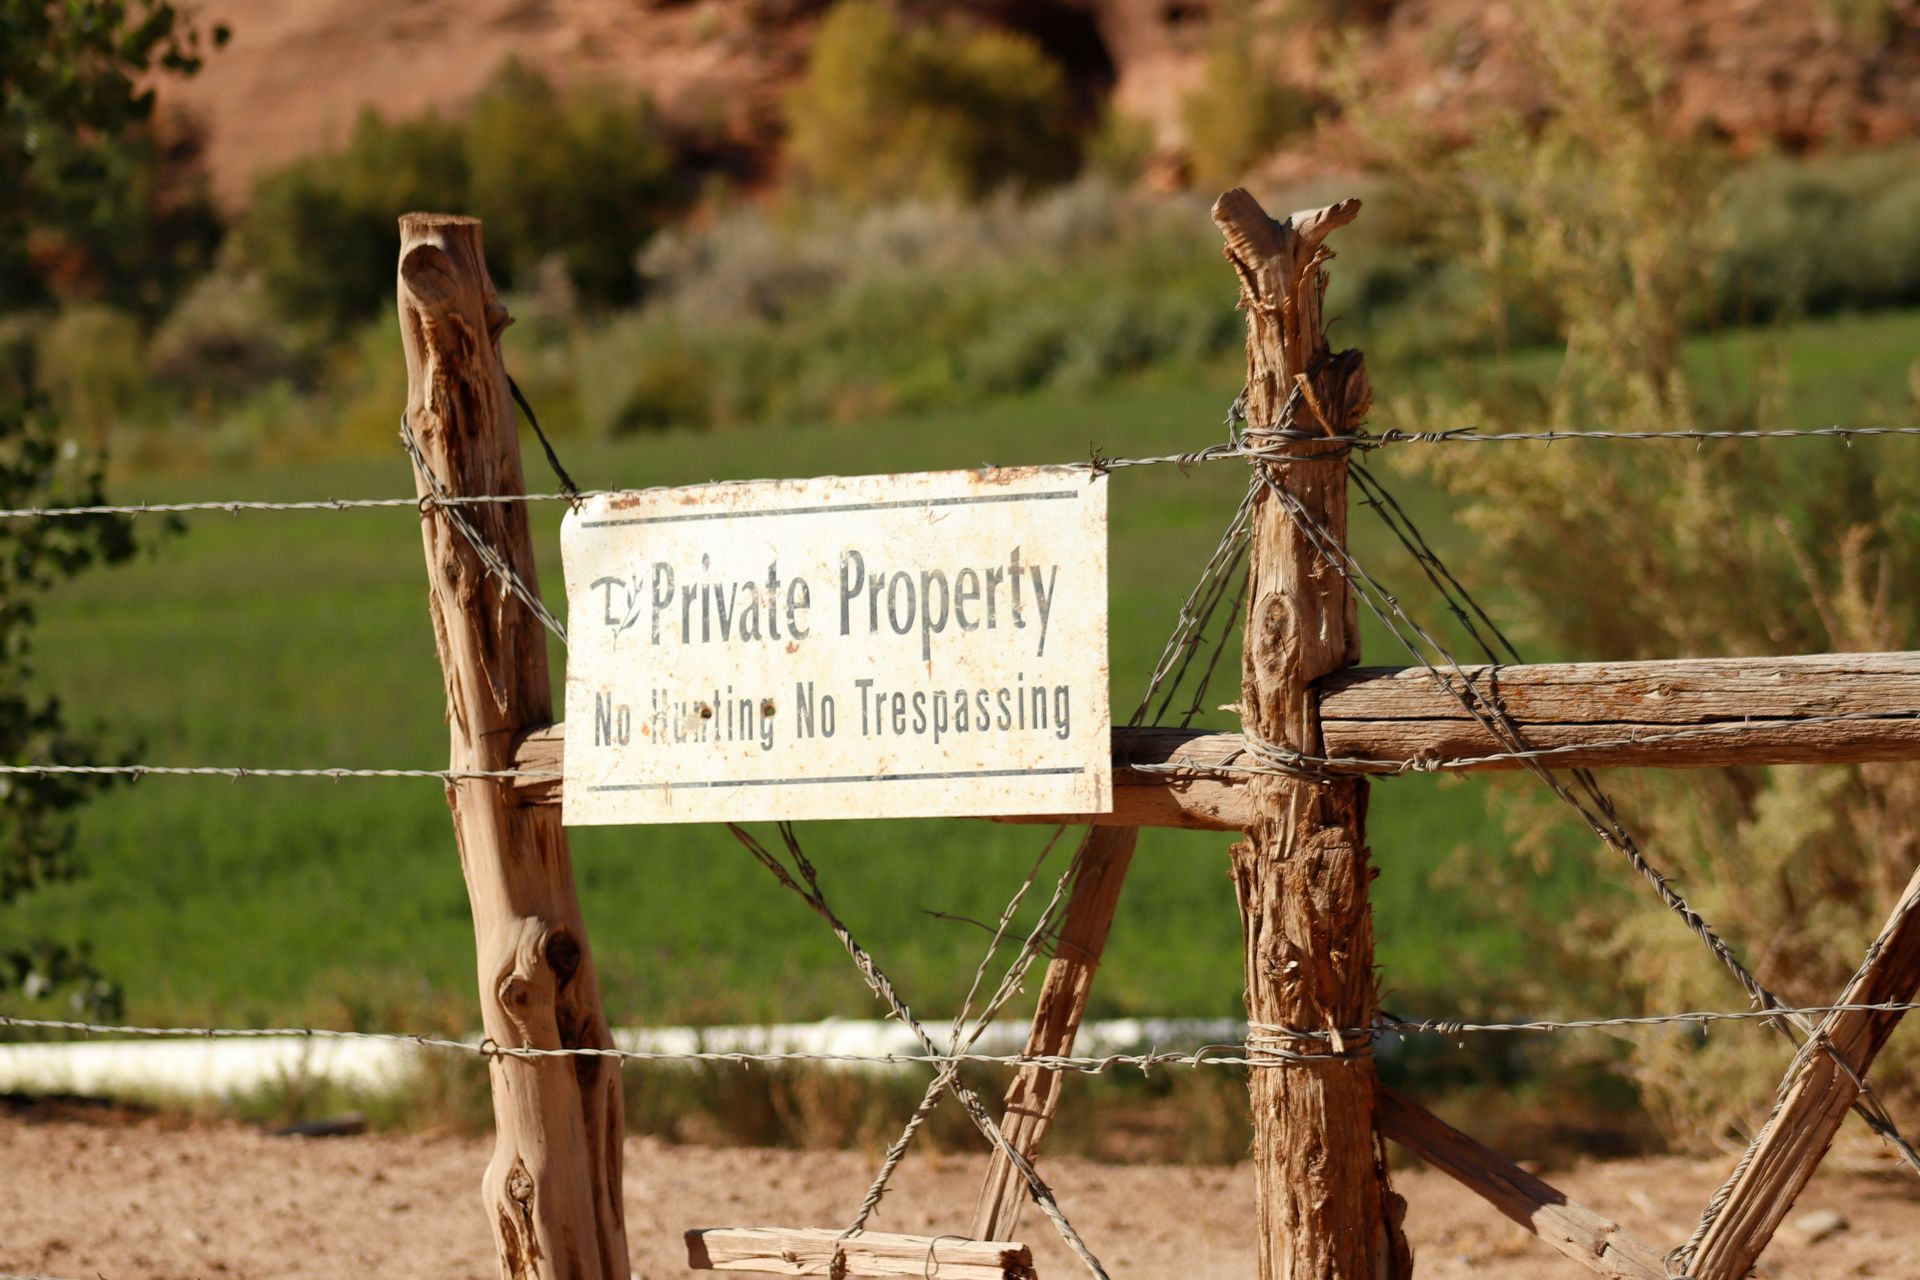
(1034, 1095)
(1814, 1099)
(1594, 1241)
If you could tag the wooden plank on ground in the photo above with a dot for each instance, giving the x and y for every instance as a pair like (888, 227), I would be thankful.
(1034, 1095)
(1814, 1099)
(1594, 1241)
(783, 1251)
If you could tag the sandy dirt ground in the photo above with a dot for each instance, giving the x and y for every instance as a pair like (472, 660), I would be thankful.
(121, 1198)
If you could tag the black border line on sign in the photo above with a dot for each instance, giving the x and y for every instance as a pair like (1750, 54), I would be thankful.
(856, 777)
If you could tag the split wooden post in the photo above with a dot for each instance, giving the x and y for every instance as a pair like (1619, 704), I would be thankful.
(552, 1190)
(1814, 1099)
(1034, 1095)
(1325, 1208)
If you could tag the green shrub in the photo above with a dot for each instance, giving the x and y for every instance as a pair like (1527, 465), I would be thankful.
(223, 339)
(637, 375)
(1873, 23)
(93, 366)
(886, 112)
(1120, 147)
(321, 231)
(587, 178)
(1242, 108)
(907, 307)
(1604, 221)
(1818, 236)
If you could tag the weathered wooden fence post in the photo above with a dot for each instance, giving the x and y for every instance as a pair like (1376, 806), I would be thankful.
(552, 1189)
(1325, 1209)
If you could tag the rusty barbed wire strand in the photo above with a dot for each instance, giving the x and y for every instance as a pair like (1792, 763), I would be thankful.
(1202, 1055)
(1269, 758)
(238, 773)
(963, 1036)
(1098, 463)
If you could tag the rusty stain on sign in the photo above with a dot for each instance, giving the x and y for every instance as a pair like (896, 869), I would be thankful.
(875, 646)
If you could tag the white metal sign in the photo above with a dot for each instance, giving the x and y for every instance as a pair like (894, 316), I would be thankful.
(879, 646)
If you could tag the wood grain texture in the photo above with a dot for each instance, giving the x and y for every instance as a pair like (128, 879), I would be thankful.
(1323, 1204)
(1673, 691)
(1408, 714)
(1393, 713)
(552, 1188)
(1814, 1099)
(1198, 801)
(1034, 1095)
(811, 1252)
(1594, 1241)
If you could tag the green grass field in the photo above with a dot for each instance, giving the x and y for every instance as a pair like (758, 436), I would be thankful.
(303, 640)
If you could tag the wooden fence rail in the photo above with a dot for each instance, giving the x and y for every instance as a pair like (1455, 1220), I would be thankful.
(1594, 714)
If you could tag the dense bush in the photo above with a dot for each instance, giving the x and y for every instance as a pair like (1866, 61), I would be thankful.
(1824, 235)
(585, 178)
(75, 85)
(321, 231)
(907, 307)
(886, 112)
(92, 365)
(1242, 108)
(223, 339)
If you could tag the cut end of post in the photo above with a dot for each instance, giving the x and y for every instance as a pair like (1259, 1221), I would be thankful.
(412, 223)
(1253, 235)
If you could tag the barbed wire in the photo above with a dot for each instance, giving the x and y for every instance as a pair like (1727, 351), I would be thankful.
(1240, 450)
(1472, 435)
(239, 772)
(883, 989)
(1268, 758)
(490, 557)
(1203, 1055)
